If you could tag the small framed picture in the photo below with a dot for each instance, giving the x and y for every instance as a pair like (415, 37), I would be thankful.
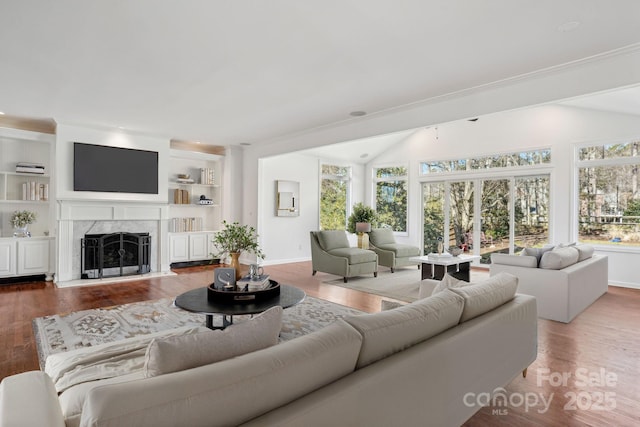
(224, 277)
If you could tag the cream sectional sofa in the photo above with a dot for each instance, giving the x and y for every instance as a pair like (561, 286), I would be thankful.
(564, 279)
(420, 364)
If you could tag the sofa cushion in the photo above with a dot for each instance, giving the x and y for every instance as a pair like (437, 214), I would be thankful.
(536, 252)
(447, 282)
(178, 353)
(584, 252)
(389, 332)
(355, 255)
(486, 295)
(332, 239)
(559, 258)
(515, 260)
(381, 236)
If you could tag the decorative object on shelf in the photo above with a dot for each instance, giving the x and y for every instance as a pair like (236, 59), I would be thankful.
(440, 246)
(361, 213)
(362, 228)
(454, 250)
(235, 238)
(204, 201)
(20, 221)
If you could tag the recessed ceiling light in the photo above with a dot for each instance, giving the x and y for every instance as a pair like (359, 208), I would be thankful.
(246, 144)
(364, 155)
(358, 113)
(568, 26)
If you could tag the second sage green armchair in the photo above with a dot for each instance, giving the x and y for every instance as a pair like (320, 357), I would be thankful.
(390, 253)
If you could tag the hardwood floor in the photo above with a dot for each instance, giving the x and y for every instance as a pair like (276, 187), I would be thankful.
(600, 347)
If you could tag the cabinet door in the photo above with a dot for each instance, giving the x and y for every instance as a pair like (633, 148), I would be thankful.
(33, 257)
(7, 258)
(178, 247)
(198, 246)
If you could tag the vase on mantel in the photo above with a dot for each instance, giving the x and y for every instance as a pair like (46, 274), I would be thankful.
(21, 231)
(235, 263)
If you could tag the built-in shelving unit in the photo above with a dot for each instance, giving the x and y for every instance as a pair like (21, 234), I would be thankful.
(23, 256)
(192, 224)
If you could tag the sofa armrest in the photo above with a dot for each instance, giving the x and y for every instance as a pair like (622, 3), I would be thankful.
(515, 260)
(29, 399)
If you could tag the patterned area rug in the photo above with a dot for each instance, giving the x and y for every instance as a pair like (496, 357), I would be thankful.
(64, 332)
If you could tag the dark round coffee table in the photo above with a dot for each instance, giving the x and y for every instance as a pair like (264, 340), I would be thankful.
(196, 301)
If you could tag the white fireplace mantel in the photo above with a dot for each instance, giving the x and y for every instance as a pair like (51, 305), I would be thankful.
(78, 212)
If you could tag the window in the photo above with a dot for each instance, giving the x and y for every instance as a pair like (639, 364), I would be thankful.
(608, 195)
(334, 196)
(467, 205)
(391, 197)
(516, 159)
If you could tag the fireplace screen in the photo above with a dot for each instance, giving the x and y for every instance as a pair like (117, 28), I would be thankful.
(115, 254)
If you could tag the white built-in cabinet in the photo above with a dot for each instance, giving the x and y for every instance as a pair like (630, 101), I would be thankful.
(191, 246)
(8, 265)
(25, 256)
(192, 225)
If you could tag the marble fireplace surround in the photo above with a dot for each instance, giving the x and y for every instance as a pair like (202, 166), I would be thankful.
(77, 218)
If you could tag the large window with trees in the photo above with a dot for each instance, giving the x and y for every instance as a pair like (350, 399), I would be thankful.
(608, 195)
(391, 197)
(482, 213)
(335, 196)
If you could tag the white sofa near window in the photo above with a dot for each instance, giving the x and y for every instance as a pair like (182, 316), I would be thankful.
(565, 280)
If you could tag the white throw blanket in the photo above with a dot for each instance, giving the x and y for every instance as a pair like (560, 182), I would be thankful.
(104, 361)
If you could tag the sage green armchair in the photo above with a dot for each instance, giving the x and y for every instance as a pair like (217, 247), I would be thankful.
(390, 253)
(331, 253)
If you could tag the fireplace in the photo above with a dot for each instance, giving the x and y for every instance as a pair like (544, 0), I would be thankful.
(115, 254)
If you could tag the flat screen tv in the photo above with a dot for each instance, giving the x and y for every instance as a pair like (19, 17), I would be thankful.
(114, 169)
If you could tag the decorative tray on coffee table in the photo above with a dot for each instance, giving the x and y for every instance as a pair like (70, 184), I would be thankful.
(222, 296)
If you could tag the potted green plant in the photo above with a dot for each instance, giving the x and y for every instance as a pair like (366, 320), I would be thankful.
(234, 239)
(20, 221)
(363, 214)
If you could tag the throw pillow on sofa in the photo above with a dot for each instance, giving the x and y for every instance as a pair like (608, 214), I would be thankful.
(448, 282)
(389, 332)
(486, 295)
(190, 351)
(559, 258)
(537, 252)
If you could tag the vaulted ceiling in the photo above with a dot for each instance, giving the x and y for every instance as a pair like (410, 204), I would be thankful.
(231, 72)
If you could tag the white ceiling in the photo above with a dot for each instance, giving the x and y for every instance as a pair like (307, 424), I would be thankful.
(228, 72)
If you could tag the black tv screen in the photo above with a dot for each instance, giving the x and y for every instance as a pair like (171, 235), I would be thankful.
(114, 169)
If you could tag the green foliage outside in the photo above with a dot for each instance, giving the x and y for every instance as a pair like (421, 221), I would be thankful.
(333, 204)
(391, 198)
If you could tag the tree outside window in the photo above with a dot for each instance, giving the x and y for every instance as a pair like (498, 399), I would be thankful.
(334, 197)
(391, 197)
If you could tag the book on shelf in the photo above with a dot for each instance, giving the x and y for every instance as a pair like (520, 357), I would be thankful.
(181, 197)
(35, 191)
(256, 283)
(35, 168)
